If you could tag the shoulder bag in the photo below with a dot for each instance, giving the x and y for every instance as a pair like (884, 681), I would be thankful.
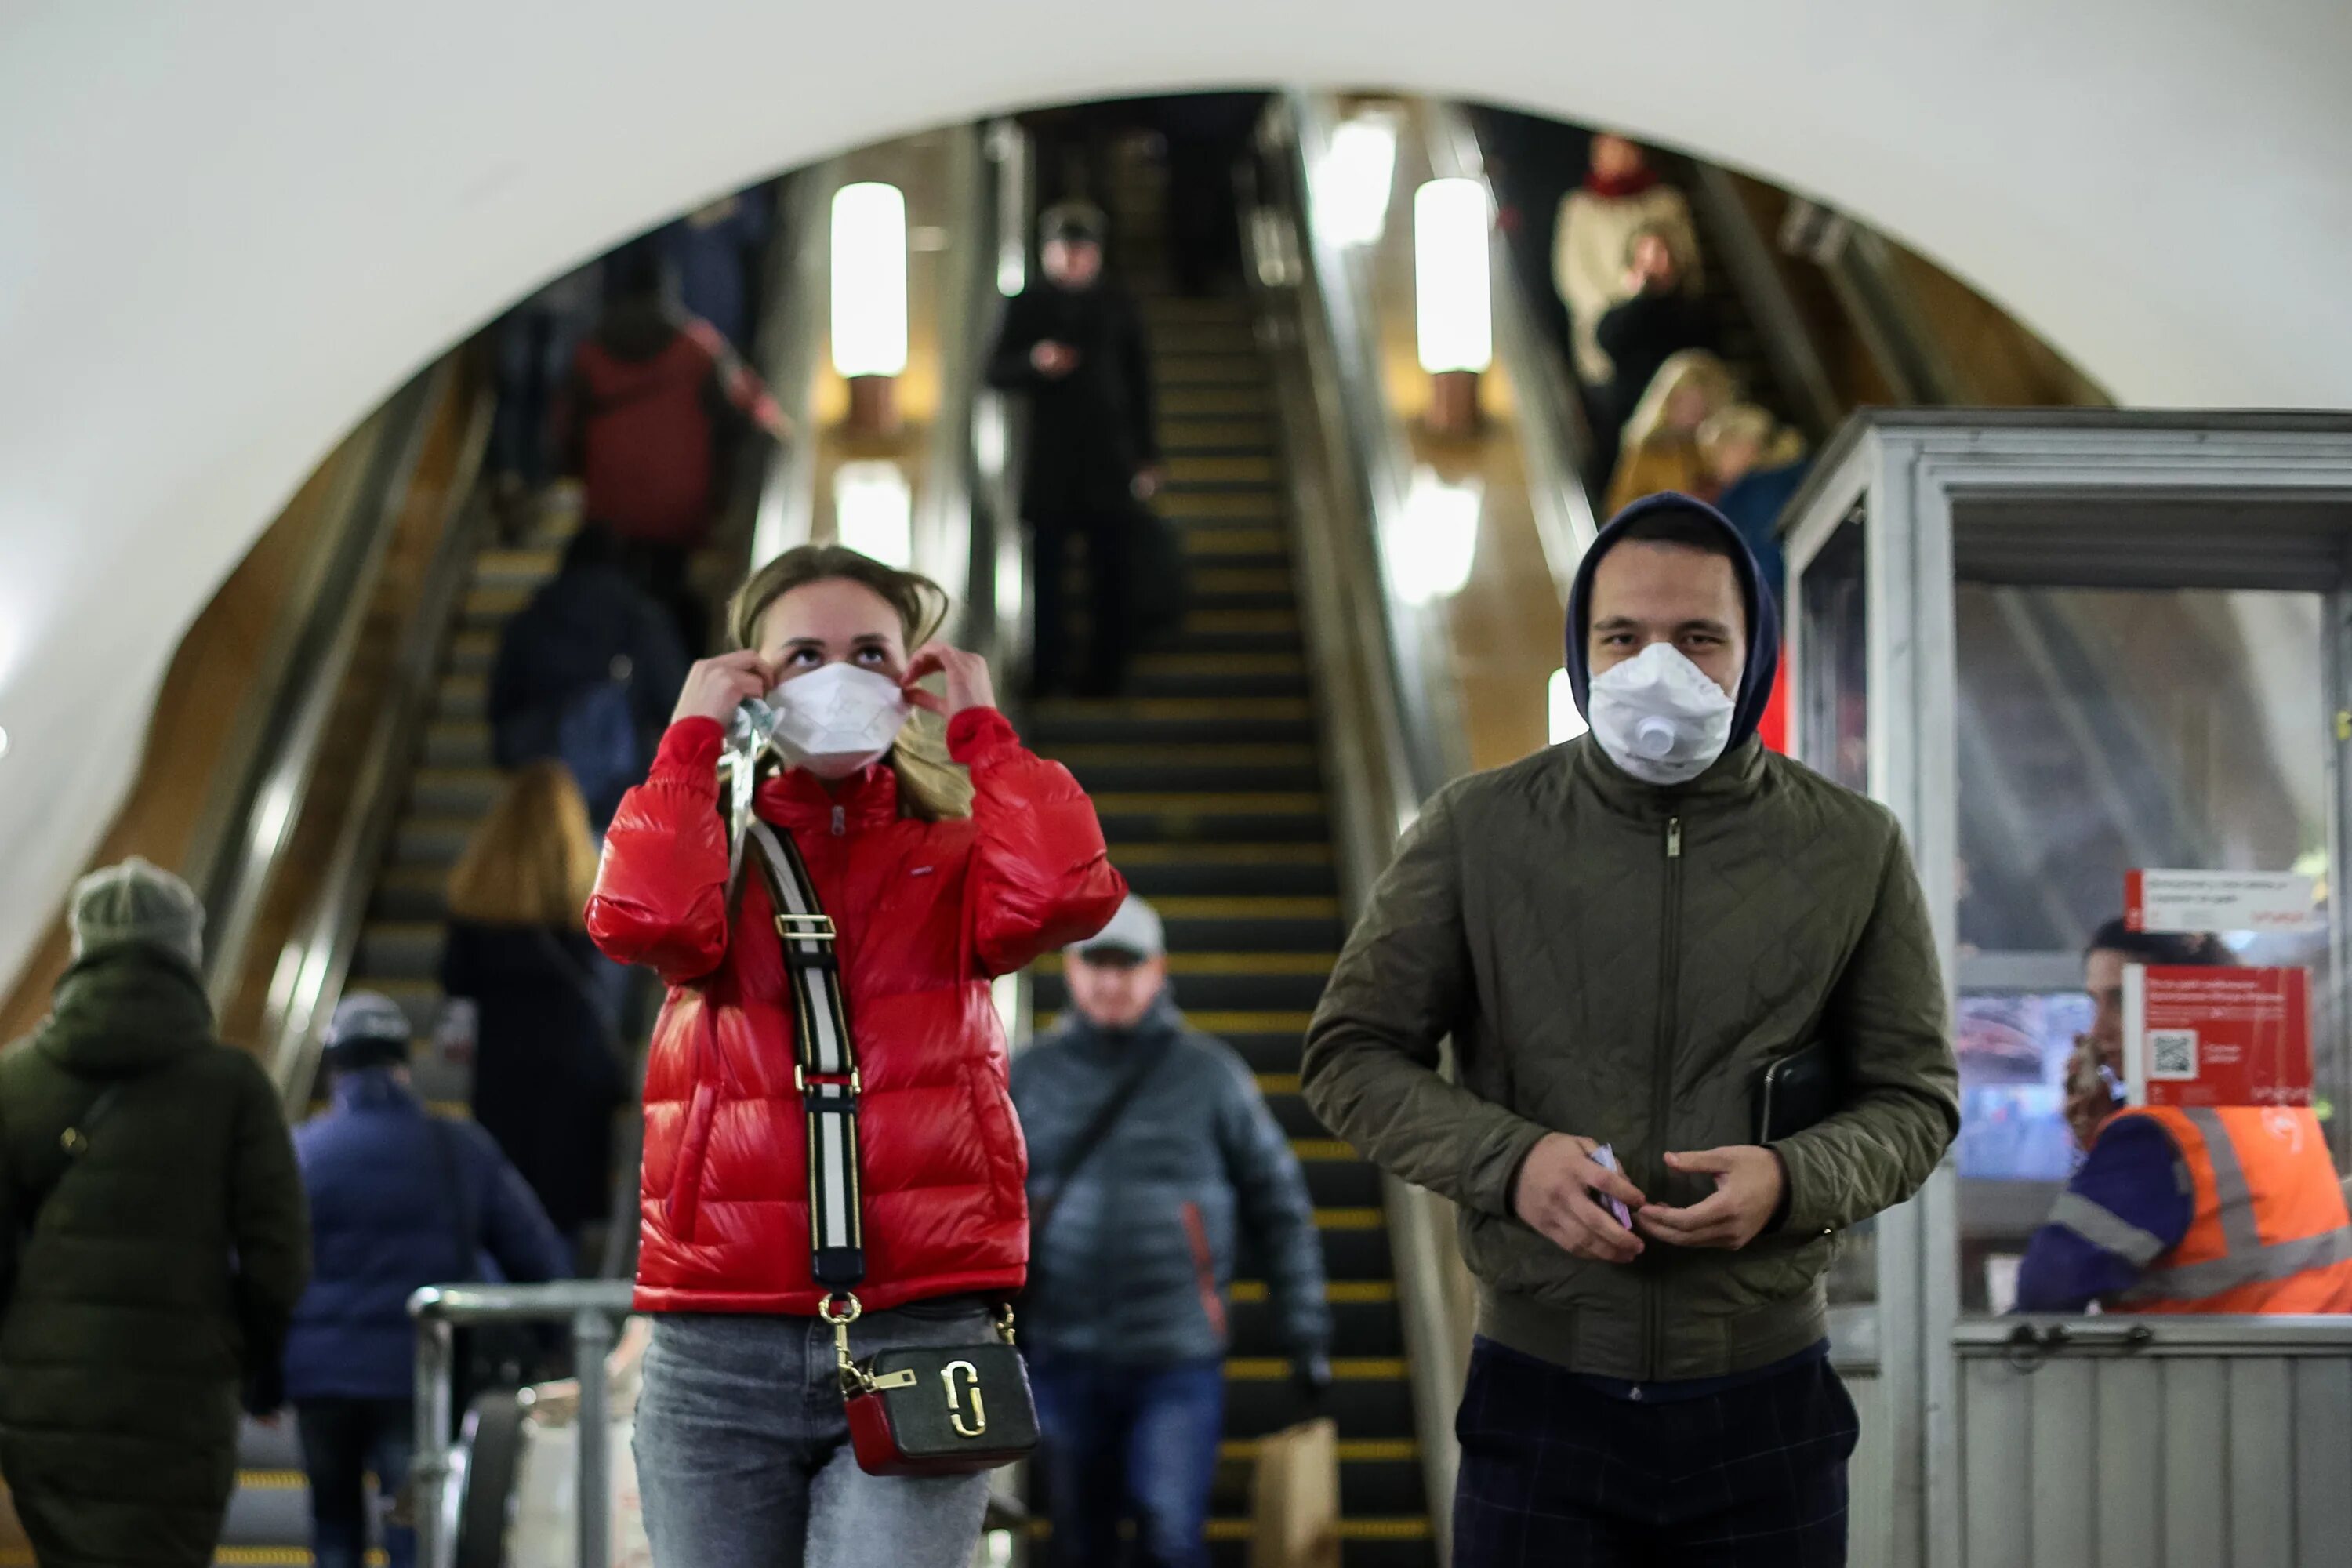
(925, 1412)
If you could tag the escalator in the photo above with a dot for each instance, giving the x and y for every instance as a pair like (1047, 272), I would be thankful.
(1208, 780)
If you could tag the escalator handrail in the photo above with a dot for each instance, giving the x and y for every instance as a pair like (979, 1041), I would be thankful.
(1555, 440)
(247, 828)
(312, 967)
(1382, 754)
(1745, 254)
(791, 339)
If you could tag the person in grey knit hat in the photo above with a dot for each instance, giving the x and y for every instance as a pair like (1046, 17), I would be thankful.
(137, 900)
(149, 1189)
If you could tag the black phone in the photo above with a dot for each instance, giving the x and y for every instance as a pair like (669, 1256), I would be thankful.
(1805, 1087)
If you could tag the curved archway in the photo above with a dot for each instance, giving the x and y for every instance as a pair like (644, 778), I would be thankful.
(226, 232)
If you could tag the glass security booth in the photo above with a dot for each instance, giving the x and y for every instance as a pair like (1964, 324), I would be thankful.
(2063, 646)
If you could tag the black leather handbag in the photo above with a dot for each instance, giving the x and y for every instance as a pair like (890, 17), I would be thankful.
(923, 1412)
(1800, 1090)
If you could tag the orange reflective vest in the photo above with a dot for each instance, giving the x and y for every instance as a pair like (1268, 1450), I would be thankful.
(2268, 1232)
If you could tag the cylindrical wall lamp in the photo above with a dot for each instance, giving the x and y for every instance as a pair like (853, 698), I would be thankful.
(869, 299)
(1453, 301)
(874, 510)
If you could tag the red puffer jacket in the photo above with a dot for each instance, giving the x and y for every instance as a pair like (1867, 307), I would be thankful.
(928, 911)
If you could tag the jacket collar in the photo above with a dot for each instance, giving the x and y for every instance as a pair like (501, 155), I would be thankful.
(373, 1088)
(1734, 779)
(126, 1009)
(1162, 1024)
(794, 797)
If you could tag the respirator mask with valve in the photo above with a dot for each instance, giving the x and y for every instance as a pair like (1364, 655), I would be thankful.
(1659, 716)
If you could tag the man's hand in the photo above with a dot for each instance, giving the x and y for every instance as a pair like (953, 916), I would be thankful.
(2089, 1101)
(1146, 483)
(1310, 1375)
(969, 685)
(715, 686)
(1052, 360)
(1554, 1194)
(1748, 1183)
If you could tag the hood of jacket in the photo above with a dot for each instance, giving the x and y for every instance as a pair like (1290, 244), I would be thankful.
(124, 1010)
(1763, 616)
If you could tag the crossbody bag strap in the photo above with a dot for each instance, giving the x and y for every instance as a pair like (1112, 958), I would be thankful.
(824, 1066)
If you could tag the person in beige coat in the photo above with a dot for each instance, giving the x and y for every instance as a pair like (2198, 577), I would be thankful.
(1621, 197)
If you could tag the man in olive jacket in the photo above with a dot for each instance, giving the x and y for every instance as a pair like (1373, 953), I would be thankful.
(1619, 934)
(154, 1218)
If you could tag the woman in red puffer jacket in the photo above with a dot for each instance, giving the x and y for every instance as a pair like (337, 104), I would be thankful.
(936, 885)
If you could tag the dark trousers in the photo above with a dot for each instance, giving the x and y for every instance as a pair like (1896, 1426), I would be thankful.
(1554, 1471)
(1110, 540)
(342, 1441)
(1124, 1442)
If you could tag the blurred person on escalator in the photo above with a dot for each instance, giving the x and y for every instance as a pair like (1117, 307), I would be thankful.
(400, 1199)
(2205, 1209)
(1696, 1028)
(1207, 134)
(715, 252)
(1151, 1155)
(152, 1241)
(585, 675)
(1657, 320)
(549, 1046)
(655, 409)
(1658, 451)
(1621, 197)
(1072, 344)
(1755, 465)
(935, 862)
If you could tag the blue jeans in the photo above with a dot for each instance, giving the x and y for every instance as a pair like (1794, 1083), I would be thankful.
(744, 1457)
(1129, 1442)
(342, 1441)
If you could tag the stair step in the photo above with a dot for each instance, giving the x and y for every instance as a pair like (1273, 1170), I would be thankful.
(1223, 472)
(1208, 544)
(1204, 402)
(1206, 436)
(473, 653)
(1207, 869)
(455, 792)
(1267, 817)
(457, 745)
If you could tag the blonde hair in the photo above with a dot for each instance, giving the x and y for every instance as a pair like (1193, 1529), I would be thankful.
(1776, 444)
(930, 787)
(1692, 367)
(532, 861)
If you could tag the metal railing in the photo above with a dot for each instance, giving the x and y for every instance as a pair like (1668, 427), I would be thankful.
(1381, 750)
(309, 977)
(593, 1309)
(243, 837)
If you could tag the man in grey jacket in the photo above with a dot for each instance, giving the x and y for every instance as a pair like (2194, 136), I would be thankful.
(1150, 1152)
(1619, 935)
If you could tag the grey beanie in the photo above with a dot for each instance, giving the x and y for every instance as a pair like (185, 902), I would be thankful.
(137, 901)
(368, 1030)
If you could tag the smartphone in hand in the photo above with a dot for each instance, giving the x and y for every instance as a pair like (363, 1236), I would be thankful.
(1606, 1158)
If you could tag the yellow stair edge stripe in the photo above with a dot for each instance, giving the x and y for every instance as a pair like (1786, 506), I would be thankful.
(1346, 1369)
(1323, 1149)
(1230, 1024)
(1245, 906)
(1352, 1451)
(1339, 1292)
(1352, 1219)
(1228, 962)
(1211, 803)
(1196, 851)
(1389, 1528)
(1278, 1083)
(1149, 709)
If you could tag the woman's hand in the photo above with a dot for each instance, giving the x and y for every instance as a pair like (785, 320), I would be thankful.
(968, 681)
(714, 687)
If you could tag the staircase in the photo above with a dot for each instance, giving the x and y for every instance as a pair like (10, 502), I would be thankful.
(1206, 777)
(399, 954)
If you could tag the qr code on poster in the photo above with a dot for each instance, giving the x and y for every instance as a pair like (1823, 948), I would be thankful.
(2172, 1053)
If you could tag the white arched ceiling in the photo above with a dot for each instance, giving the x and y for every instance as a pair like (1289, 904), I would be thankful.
(227, 230)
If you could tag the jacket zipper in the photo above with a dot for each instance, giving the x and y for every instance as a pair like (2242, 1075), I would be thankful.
(1662, 1065)
(840, 821)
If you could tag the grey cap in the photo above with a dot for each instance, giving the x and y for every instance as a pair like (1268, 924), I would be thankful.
(369, 1023)
(1134, 932)
(137, 901)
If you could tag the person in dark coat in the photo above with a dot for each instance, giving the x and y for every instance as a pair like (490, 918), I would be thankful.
(548, 1076)
(1658, 319)
(1133, 1244)
(150, 1211)
(1207, 133)
(400, 1199)
(715, 251)
(586, 673)
(1073, 344)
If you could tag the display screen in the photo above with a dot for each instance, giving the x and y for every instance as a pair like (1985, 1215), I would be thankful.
(2013, 1049)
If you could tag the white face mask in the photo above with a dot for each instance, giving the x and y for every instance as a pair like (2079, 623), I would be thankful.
(1659, 716)
(835, 719)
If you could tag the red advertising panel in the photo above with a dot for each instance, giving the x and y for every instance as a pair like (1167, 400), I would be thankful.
(2195, 1036)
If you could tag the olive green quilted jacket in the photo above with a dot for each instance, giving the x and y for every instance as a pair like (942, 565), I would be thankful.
(1620, 960)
